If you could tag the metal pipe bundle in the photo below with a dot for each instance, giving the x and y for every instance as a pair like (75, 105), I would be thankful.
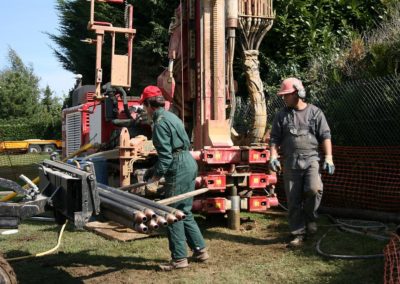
(138, 213)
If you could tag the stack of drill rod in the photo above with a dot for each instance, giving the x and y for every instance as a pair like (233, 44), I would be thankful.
(141, 214)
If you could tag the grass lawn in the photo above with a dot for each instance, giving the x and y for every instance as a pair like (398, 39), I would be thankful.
(255, 254)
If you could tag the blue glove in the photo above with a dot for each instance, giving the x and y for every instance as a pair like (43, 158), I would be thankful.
(328, 166)
(274, 164)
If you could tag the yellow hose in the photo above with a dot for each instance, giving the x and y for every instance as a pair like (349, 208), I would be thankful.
(8, 197)
(36, 180)
(45, 252)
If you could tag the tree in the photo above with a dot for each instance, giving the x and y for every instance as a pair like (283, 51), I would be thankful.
(19, 89)
(303, 30)
(50, 115)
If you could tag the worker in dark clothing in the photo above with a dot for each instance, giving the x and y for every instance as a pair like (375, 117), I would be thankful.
(179, 169)
(298, 130)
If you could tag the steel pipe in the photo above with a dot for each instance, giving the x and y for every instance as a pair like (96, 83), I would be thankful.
(115, 216)
(149, 203)
(138, 217)
(130, 203)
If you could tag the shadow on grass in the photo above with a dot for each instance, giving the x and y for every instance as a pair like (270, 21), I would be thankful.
(342, 243)
(93, 266)
(206, 224)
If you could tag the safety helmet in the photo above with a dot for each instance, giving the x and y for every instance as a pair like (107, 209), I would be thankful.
(291, 85)
(149, 92)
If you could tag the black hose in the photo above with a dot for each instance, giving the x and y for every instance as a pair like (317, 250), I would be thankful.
(343, 256)
(125, 102)
(123, 122)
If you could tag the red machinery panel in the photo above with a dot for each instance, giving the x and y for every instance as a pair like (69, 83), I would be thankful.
(222, 155)
(210, 205)
(259, 180)
(215, 205)
(258, 203)
(258, 156)
(273, 201)
(215, 182)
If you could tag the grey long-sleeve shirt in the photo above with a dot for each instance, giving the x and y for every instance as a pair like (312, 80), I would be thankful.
(298, 132)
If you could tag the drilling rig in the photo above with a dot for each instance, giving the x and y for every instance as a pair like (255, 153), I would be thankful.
(105, 127)
(106, 141)
(199, 87)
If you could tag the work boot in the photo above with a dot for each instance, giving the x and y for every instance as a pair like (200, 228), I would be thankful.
(201, 255)
(174, 264)
(312, 228)
(297, 241)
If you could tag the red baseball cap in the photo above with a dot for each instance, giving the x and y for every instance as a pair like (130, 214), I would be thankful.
(149, 92)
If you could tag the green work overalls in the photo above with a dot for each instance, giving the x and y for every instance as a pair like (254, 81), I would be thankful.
(179, 169)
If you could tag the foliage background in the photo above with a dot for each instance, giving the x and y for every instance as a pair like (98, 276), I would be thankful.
(322, 42)
(26, 111)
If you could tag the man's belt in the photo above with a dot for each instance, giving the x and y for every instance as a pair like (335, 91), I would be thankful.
(178, 150)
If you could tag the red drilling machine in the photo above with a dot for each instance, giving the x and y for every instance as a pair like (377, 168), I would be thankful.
(200, 88)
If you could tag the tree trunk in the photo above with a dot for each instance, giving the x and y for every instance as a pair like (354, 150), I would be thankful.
(256, 93)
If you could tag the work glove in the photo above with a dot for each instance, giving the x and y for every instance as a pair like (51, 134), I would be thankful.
(152, 186)
(328, 166)
(274, 164)
(148, 174)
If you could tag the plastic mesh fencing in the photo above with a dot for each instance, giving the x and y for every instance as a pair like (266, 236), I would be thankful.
(365, 123)
(364, 118)
(13, 165)
(365, 178)
(392, 261)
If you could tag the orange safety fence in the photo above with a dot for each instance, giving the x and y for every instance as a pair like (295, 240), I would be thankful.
(365, 178)
(392, 261)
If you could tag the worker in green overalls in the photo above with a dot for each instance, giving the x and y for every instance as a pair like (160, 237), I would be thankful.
(179, 169)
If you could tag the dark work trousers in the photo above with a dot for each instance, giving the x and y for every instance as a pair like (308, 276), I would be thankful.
(303, 189)
(180, 178)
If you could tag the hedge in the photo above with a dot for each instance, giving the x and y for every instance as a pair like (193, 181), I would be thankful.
(21, 129)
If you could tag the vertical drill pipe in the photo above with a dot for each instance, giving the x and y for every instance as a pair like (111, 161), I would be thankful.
(234, 212)
(218, 58)
(232, 16)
